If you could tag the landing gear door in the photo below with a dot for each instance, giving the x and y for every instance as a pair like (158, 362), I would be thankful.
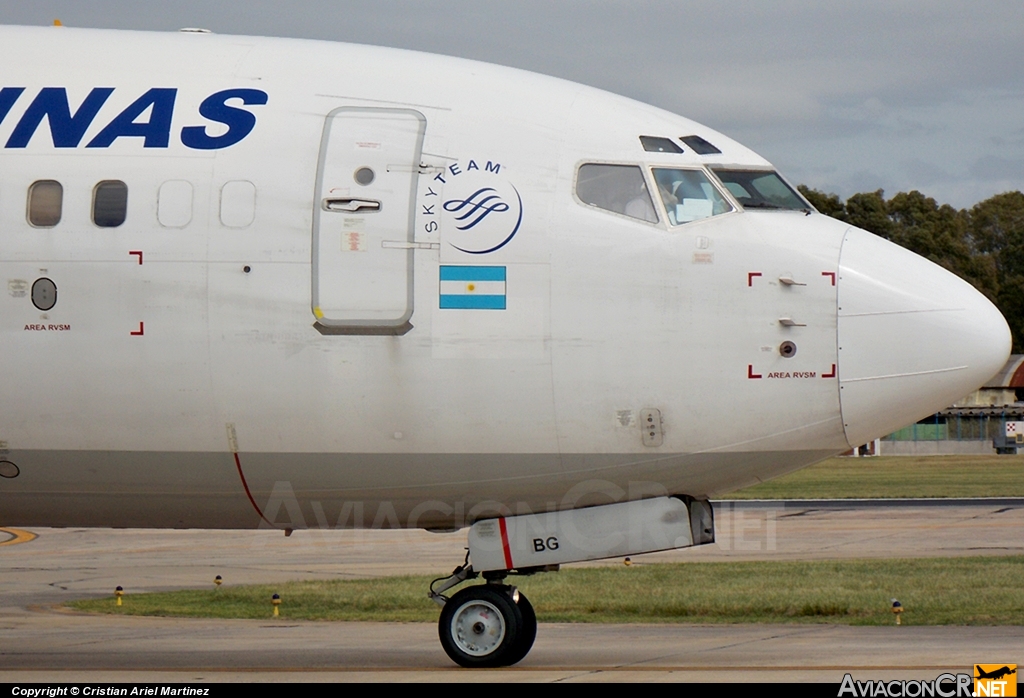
(363, 220)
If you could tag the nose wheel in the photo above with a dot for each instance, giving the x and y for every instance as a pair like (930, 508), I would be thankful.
(488, 625)
(527, 632)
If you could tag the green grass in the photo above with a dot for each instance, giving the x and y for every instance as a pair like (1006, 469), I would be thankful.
(898, 476)
(955, 591)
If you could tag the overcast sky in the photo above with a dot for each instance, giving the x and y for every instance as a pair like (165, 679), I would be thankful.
(841, 96)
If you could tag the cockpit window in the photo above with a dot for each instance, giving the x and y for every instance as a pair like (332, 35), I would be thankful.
(699, 145)
(618, 188)
(657, 144)
(760, 189)
(688, 195)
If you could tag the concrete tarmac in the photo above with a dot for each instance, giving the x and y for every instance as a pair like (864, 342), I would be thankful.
(40, 642)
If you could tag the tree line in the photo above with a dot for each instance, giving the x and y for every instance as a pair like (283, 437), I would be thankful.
(983, 245)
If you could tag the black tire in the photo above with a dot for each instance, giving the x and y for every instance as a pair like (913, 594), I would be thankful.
(480, 626)
(527, 633)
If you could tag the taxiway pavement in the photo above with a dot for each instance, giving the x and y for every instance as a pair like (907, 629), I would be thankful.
(40, 642)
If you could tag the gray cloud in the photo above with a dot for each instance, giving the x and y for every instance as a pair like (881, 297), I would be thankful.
(997, 169)
(924, 173)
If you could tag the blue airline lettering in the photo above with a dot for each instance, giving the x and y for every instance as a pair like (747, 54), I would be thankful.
(67, 130)
(215, 108)
(156, 131)
(8, 96)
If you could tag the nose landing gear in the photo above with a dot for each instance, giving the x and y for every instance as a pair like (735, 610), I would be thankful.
(493, 624)
(487, 625)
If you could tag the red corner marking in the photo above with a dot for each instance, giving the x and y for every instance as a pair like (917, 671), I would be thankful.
(830, 375)
(831, 274)
(750, 372)
(137, 252)
(750, 277)
(141, 331)
(504, 543)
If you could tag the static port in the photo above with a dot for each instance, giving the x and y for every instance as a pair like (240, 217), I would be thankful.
(44, 294)
(788, 350)
(8, 469)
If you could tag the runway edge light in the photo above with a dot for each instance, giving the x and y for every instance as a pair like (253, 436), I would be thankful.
(897, 609)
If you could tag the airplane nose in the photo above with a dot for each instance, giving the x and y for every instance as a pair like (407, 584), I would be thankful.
(913, 337)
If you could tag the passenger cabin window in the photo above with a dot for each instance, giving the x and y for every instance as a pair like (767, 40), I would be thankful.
(761, 189)
(110, 204)
(617, 188)
(238, 204)
(174, 204)
(45, 203)
(688, 195)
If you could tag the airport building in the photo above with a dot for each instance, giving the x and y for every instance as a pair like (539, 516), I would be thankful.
(989, 420)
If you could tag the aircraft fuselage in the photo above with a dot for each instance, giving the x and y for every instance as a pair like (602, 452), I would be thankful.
(362, 287)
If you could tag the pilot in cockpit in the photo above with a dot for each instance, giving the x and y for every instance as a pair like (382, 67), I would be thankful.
(641, 206)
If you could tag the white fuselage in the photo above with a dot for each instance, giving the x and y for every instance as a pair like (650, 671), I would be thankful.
(236, 311)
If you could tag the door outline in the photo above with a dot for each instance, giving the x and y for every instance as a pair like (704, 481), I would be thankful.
(368, 326)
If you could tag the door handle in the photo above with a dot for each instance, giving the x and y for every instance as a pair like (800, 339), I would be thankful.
(351, 205)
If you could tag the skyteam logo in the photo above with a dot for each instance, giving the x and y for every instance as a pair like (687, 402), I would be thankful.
(480, 204)
(481, 211)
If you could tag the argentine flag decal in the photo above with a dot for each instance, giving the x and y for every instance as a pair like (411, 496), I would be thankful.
(472, 288)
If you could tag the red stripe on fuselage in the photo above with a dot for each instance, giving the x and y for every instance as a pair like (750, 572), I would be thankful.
(245, 486)
(504, 544)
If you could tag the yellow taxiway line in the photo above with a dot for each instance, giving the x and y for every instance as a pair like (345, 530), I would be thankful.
(17, 536)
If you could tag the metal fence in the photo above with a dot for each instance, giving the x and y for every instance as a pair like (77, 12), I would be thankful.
(956, 427)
